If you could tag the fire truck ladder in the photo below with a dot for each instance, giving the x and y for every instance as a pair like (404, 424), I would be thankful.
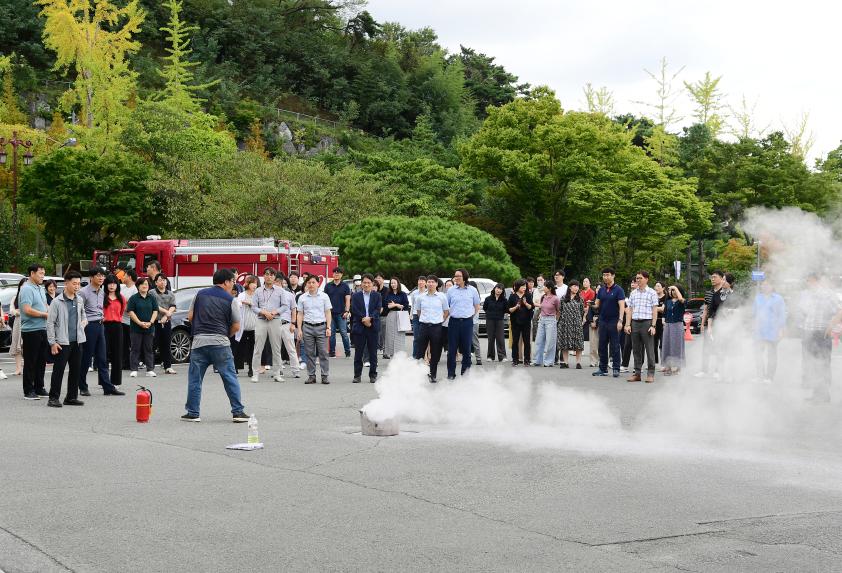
(262, 242)
(293, 255)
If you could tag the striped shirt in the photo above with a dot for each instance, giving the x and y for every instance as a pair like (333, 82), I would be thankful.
(642, 302)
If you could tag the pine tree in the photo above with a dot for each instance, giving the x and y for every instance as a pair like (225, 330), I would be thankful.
(177, 71)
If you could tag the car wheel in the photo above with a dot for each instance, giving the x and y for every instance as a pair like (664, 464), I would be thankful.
(180, 346)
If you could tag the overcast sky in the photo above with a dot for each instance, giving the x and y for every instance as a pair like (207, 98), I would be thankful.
(783, 56)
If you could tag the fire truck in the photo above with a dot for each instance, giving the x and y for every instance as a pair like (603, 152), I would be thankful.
(192, 262)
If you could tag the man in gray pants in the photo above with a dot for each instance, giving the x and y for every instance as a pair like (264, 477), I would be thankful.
(642, 316)
(314, 319)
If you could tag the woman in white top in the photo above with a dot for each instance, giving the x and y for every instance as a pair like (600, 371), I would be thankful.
(245, 336)
(16, 349)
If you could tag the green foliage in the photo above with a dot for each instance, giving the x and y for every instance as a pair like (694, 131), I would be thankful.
(87, 200)
(161, 131)
(179, 89)
(707, 97)
(10, 111)
(565, 177)
(736, 257)
(244, 195)
(488, 83)
(409, 246)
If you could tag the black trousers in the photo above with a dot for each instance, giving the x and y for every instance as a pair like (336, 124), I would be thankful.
(114, 350)
(245, 351)
(627, 348)
(163, 336)
(432, 334)
(521, 332)
(70, 355)
(266, 356)
(142, 348)
(35, 349)
(609, 342)
(127, 345)
(496, 339)
(365, 343)
(642, 342)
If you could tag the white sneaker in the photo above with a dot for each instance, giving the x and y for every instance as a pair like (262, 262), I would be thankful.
(303, 365)
(366, 363)
(255, 378)
(133, 374)
(700, 374)
(3, 375)
(296, 374)
(278, 378)
(170, 371)
(624, 369)
(505, 360)
(151, 374)
(90, 368)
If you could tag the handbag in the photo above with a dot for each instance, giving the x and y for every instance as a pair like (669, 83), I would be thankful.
(404, 324)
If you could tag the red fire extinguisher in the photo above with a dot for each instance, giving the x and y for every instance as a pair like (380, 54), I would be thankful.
(144, 404)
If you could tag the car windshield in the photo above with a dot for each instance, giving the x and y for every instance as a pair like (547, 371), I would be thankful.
(7, 295)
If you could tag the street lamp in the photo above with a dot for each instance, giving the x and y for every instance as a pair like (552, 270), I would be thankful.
(27, 160)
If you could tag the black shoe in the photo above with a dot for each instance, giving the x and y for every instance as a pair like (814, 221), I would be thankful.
(599, 373)
(331, 355)
(372, 380)
(191, 418)
(73, 402)
(356, 380)
(84, 392)
(564, 365)
(479, 362)
(240, 417)
(311, 380)
(347, 355)
(451, 377)
(43, 393)
(115, 392)
(31, 396)
(325, 380)
(54, 403)
(616, 374)
(431, 379)
(578, 366)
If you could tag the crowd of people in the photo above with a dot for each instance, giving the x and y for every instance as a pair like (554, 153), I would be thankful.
(121, 322)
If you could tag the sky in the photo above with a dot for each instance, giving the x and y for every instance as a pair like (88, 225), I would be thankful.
(781, 56)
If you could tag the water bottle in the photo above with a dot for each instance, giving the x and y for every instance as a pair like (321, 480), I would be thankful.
(253, 437)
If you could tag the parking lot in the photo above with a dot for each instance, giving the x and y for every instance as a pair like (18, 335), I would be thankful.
(89, 489)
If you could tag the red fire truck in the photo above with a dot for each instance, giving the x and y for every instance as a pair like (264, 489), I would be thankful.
(192, 262)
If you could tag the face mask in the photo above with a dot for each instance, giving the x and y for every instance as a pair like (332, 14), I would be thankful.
(540, 284)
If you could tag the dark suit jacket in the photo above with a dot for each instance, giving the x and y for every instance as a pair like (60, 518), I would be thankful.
(358, 311)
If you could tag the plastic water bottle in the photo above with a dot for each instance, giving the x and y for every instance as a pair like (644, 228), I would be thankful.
(253, 437)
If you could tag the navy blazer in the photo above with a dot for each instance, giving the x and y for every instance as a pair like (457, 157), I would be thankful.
(358, 311)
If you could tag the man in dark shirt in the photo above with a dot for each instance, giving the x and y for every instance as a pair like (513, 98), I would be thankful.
(611, 304)
(712, 302)
(339, 294)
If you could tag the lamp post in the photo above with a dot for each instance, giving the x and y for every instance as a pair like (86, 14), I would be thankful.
(27, 160)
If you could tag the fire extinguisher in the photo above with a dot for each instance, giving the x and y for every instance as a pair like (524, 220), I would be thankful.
(144, 404)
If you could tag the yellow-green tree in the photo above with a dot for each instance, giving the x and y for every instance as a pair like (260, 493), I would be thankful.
(178, 88)
(255, 142)
(10, 112)
(92, 39)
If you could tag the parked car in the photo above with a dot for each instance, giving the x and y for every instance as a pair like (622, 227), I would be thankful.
(182, 338)
(10, 278)
(694, 307)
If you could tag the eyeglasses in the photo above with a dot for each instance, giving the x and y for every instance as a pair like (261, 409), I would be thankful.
(638, 278)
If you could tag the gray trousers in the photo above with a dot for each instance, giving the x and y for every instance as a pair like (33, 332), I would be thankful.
(315, 344)
(642, 340)
(475, 343)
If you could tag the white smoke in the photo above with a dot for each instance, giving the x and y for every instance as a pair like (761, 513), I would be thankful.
(734, 416)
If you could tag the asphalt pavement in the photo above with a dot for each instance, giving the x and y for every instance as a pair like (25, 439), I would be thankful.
(88, 489)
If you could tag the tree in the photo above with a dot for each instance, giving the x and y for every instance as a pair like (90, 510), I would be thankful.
(708, 99)
(179, 89)
(744, 123)
(800, 137)
(565, 177)
(10, 111)
(489, 83)
(735, 256)
(87, 200)
(664, 105)
(244, 195)
(410, 246)
(163, 133)
(94, 38)
(599, 100)
(255, 142)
